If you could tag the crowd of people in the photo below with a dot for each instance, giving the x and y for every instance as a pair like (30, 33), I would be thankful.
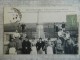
(63, 44)
(21, 45)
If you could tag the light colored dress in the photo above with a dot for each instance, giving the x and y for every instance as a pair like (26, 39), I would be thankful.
(34, 51)
(49, 50)
(12, 50)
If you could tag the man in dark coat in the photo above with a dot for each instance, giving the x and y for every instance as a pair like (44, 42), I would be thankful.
(69, 47)
(23, 27)
(40, 45)
(26, 46)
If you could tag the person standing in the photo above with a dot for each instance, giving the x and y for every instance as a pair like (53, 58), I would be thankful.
(39, 46)
(59, 47)
(45, 46)
(69, 47)
(54, 47)
(12, 47)
(23, 27)
(49, 48)
(67, 37)
(16, 34)
(26, 46)
(19, 45)
(61, 36)
(19, 27)
(33, 43)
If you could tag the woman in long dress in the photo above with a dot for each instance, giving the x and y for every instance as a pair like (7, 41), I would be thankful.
(12, 47)
(49, 48)
(34, 51)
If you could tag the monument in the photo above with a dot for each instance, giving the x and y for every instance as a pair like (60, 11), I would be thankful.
(40, 28)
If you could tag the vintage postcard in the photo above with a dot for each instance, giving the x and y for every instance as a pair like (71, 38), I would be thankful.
(40, 30)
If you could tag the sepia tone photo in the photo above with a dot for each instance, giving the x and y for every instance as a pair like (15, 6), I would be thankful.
(40, 31)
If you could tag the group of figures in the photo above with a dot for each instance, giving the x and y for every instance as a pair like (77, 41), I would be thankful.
(23, 45)
(67, 42)
(64, 43)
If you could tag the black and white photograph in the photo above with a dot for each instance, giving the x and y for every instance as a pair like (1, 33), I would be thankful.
(40, 31)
